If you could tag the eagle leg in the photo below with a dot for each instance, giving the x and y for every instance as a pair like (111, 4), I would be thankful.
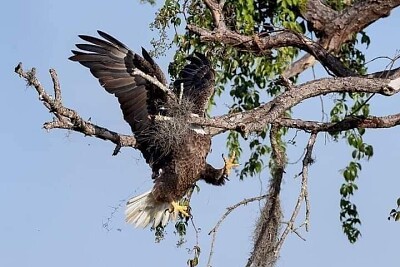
(177, 208)
(229, 164)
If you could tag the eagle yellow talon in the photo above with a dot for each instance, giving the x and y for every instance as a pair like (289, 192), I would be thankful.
(177, 208)
(229, 164)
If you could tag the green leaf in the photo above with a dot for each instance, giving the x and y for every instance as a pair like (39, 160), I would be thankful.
(343, 190)
(346, 175)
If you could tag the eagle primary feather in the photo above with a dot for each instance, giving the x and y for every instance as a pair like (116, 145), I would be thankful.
(175, 150)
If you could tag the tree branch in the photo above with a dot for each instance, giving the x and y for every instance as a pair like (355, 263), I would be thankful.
(69, 119)
(299, 66)
(303, 195)
(214, 231)
(351, 122)
(282, 38)
(355, 18)
(216, 11)
(244, 122)
(318, 14)
(256, 119)
(389, 74)
(335, 28)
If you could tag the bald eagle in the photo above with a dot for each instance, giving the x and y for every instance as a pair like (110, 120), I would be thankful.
(175, 150)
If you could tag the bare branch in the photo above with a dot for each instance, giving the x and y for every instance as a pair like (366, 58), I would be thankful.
(299, 66)
(229, 210)
(351, 122)
(57, 90)
(303, 195)
(390, 74)
(66, 118)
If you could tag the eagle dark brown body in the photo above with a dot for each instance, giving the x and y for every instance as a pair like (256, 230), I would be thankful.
(175, 150)
(186, 167)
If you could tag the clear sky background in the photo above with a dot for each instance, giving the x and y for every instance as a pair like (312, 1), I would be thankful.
(58, 188)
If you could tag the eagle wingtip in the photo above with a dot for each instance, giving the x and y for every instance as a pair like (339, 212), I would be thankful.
(101, 33)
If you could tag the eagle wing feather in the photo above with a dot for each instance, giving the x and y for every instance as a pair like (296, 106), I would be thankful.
(197, 78)
(113, 63)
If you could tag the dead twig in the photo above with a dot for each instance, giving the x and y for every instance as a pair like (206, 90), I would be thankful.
(303, 195)
(213, 231)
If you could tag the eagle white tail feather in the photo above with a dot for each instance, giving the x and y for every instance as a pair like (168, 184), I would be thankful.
(143, 210)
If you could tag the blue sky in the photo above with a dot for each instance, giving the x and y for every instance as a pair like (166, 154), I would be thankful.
(57, 188)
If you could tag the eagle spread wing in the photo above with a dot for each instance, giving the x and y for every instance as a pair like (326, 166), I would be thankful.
(175, 150)
(113, 64)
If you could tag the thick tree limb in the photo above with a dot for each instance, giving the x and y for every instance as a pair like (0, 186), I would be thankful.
(335, 28)
(216, 11)
(356, 17)
(318, 14)
(283, 38)
(256, 119)
(299, 66)
(351, 122)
